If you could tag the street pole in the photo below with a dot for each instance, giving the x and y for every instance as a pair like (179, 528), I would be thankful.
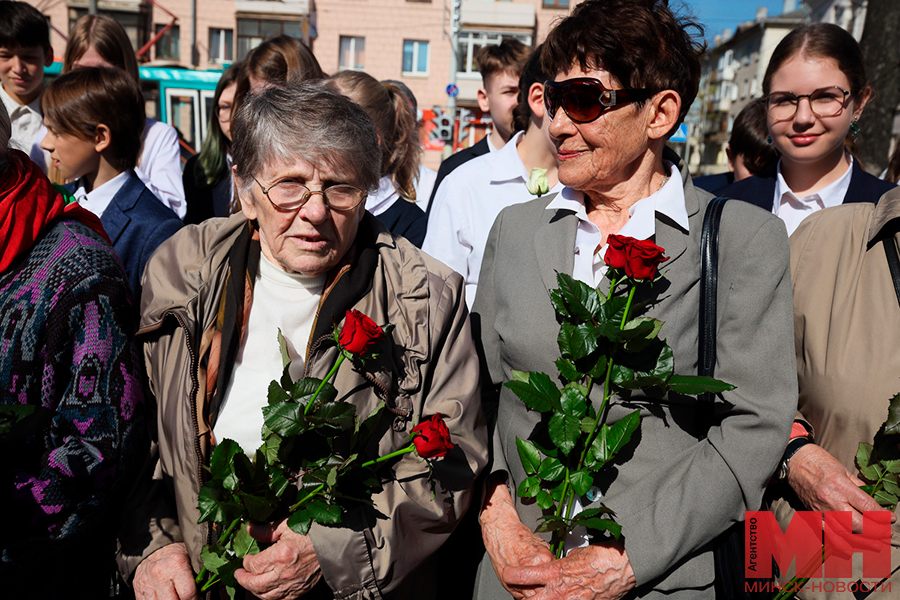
(455, 6)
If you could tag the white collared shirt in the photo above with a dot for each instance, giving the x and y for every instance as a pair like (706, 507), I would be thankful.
(26, 121)
(792, 209)
(466, 204)
(383, 198)
(159, 166)
(98, 199)
(589, 266)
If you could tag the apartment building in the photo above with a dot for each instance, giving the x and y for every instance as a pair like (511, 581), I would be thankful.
(405, 40)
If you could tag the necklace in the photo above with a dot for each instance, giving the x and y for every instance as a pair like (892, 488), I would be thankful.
(664, 181)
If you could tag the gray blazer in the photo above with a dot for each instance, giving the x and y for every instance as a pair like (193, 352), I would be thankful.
(684, 481)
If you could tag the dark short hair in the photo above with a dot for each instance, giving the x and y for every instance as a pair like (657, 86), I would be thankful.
(289, 120)
(822, 40)
(22, 25)
(509, 56)
(641, 43)
(75, 103)
(531, 74)
(749, 138)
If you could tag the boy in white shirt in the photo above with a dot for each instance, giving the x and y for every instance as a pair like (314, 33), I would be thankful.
(24, 52)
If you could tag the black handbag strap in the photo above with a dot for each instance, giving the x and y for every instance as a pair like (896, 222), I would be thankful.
(890, 249)
(709, 278)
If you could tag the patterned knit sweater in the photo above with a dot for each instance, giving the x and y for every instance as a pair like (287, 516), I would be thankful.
(67, 327)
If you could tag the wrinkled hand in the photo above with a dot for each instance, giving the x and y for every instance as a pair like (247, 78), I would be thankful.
(590, 573)
(286, 569)
(822, 483)
(166, 575)
(510, 543)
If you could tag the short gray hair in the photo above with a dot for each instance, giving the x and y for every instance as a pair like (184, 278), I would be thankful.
(286, 121)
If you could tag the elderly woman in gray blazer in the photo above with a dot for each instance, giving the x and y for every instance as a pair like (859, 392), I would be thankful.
(626, 72)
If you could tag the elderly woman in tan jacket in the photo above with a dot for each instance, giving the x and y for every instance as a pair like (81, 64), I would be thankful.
(301, 254)
(846, 319)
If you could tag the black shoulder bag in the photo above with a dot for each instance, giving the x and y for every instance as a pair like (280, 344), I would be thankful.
(729, 546)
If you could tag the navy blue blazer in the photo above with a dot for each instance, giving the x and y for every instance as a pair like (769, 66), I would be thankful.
(714, 183)
(136, 223)
(760, 189)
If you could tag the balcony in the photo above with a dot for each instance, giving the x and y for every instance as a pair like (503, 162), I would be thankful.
(497, 15)
(272, 7)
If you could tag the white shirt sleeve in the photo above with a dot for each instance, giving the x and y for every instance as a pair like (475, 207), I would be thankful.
(160, 165)
(447, 238)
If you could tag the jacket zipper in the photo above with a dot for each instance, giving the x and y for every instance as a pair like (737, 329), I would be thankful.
(195, 387)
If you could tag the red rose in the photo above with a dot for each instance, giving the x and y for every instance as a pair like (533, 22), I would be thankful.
(433, 440)
(616, 255)
(641, 257)
(359, 332)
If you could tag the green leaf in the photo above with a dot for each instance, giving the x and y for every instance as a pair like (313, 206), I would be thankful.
(556, 299)
(244, 543)
(573, 401)
(258, 508)
(581, 481)
(221, 463)
(568, 369)
(529, 487)
(564, 429)
(300, 521)
(277, 394)
(538, 393)
(582, 300)
(611, 439)
(891, 485)
(892, 424)
(523, 376)
(338, 415)
(588, 424)
(326, 514)
(577, 341)
(529, 455)
(557, 491)
(282, 345)
(217, 505)
(692, 385)
(869, 489)
(606, 525)
(367, 427)
(551, 523)
(885, 499)
(891, 465)
(620, 374)
(285, 419)
(305, 387)
(598, 371)
(613, 310)
(864, 455)
(551, 470)
(214, 557)
(544, 500)
(597, 510)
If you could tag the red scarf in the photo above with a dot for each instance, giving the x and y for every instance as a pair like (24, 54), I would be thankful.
(28, 204)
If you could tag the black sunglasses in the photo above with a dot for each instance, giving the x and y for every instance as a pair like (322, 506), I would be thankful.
(584, 98)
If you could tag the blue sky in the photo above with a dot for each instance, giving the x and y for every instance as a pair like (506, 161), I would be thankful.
(716, 15)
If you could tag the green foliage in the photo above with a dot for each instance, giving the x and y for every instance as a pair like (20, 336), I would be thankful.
(599, 342)
(879, 462)
(304, 424)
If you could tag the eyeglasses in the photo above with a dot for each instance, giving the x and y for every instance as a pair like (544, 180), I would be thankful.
(824, 102)
(584, 98)
(223, 112)
(289, 195)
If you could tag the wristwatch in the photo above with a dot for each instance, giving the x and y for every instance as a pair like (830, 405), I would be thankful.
(795, 444)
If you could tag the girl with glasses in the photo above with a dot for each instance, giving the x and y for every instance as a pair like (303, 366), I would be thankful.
(815, 90)
(208, 186)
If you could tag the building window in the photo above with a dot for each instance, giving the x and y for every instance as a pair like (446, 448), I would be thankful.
(556, 4)
(167, 47)
(221, 44)
(472, 41)
(135, 22)
(415, 57)
(352, 53)
(252, 32)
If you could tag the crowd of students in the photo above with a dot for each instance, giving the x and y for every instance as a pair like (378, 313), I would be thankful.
(100, 179)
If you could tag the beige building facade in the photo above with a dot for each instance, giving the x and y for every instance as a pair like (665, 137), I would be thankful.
(404, 40)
